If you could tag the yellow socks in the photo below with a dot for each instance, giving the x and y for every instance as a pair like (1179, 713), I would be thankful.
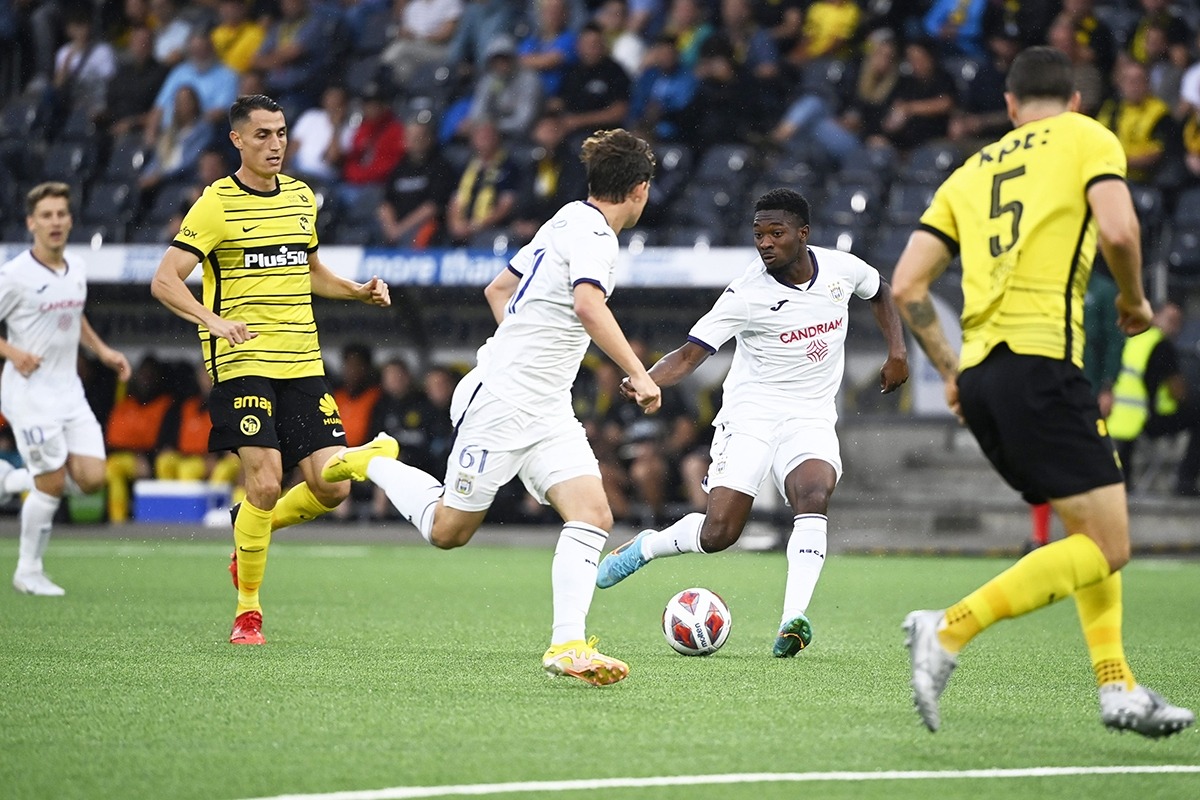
(251, 537)
(1099, 607)
(1047, 574)
(299, 504)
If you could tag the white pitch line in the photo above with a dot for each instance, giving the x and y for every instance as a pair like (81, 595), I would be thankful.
(190, 549)
(475, 789)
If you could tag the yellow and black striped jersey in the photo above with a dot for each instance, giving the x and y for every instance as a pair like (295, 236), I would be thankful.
(1017, 212)
(254, 248)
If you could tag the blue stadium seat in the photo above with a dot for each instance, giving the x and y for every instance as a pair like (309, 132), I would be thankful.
(931, 163)
(1183, 255)
(127, 158)
(168, 201)
(886, 248)
(907, 202)
(848, 239)
(21, 118)
(69, 160)
(850, 205)
(1187, 207)
(112, 202)
(730, 166)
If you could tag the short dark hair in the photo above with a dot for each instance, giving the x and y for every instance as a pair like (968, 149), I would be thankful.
(616, 162)
(787, 201)
(1040, 72)
(239, 112)
(43, 190)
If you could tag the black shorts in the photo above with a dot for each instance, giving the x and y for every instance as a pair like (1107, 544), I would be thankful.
(1038, 423)
(296, 416)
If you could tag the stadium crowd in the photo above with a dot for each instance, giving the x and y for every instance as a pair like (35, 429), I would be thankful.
(441, 122)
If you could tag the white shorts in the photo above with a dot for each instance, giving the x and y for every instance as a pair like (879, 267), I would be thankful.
(47, 435)
(496, 441)
(743, 454)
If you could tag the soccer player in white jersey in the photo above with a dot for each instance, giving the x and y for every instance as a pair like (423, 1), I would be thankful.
(788, 312)
(42, 295)
(513, 412)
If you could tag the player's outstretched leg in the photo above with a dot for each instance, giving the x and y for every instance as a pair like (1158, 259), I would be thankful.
(580, 659)
(622, 562)
(350, 463)
(794, 635)
(1141, 710)
(932, 664)
(37, 517)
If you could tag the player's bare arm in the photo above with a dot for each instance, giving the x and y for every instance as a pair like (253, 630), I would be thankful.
(500, 291)
(326, 284)
(25, 362)
(168, 288)
(923, 260)
(895, 370)
(1121, 243)
(672, 368)
(113, 359)
(602, 327)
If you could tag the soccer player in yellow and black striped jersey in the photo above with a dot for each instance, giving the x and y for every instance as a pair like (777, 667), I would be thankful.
(254, 234)
(1025, 215)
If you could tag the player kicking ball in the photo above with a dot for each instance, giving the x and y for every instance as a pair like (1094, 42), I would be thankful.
(513, 411)
(788, 312)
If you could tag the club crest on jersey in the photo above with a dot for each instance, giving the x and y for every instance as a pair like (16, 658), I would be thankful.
(837, 292)
(283, 255)
(465, 484)
(304, 224)
(250, 425)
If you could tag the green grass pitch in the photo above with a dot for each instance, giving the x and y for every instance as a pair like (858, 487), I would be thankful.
(406, 666)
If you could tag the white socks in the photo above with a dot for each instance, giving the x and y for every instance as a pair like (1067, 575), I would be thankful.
(17, 481)
(806, 556)
(573, 578)
(37, 516)
(414, 493)
(681, 537)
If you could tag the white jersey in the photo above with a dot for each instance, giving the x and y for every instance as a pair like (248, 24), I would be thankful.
(43, 309)
(790, 339)
(532, 359)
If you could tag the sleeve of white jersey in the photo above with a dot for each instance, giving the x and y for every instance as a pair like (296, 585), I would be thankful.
(591, 258)
(728, 317)
(866, 279)
(10, 295)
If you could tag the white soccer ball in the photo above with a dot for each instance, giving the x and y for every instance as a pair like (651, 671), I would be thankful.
(696, 622)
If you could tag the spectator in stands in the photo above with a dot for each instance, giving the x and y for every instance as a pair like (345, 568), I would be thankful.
(1162, 70)
(958, 26)
(132, 89)
(417, 192)
(507, 93)
(170, 32)
(183, 441)
(754, 50)
(550, 49)
(1158, 14)
(664, 94)
(624, 44)
(982, 116)
(377, 144)
(919, 110)
(686, 24)
(177, 149)
(294, 56)
(405, 414)
(1152, 398)
(1190, 136)
(829, 27)
(1097, 43)
(482, 22)
(554, 178)
(237, 38)
(783, 20)
(426, 30)
(216, 85)
(82, 67)
(726, 107)
(318, 139)
(866, 93)
(1189, 86)
(210, 168)
(132, 434)
(1141, 121)
(1088, 81)
(357, 393)
(597, 402)
(486, 193)
(439, 386)
(595, 91)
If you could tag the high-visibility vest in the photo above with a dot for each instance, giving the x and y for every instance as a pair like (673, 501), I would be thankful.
(1131, 400)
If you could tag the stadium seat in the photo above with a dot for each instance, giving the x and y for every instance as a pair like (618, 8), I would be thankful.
(698, 237)
(69, 161)
(16, 232)
(931, 163)
(78, 127)
(849, 205)
(364, 206)
(126, 159)
(730, 166)
(1183, 254)
(21, 119)
(495, 240)
(1187, 207)
(361, 73)
(168, 200)
(886, 248)
(840, 237)
(22, 158)
(673, 172)
(97, 234)
(706, 206)
(110, 203)
(907, 202)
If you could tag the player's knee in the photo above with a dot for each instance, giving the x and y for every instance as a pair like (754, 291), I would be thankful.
(812, 499)
(718, 534)
(448, 538)
(1116, 553)
(331, 495)
(90, 481)
(263, 490)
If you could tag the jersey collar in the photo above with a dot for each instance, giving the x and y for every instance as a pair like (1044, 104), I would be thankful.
(812, 257)
(66, 265)
(255, 192)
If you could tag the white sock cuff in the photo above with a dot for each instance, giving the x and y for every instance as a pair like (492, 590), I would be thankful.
(585, 534)
(799, 517)
(47, 500)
